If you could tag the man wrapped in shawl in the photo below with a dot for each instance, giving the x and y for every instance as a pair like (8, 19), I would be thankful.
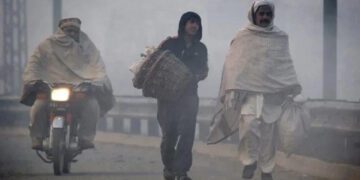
(258, 76)
(68, 56)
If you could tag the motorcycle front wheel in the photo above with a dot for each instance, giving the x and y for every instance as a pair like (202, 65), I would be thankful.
(67, 163)
(58, 150)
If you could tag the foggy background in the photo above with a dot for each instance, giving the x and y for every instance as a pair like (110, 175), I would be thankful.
(122, 28)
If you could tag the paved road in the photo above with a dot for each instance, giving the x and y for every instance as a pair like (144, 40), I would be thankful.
(115, 161)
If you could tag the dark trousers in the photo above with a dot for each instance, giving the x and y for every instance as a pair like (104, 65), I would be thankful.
(178, 121)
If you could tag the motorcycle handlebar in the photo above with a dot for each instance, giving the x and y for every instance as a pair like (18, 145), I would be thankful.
(84, 87)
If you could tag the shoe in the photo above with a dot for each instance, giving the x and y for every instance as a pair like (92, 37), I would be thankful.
(168, 175)
(86, 144)
(266, 176)
(248, 171)
(184, 177)
(36, 143)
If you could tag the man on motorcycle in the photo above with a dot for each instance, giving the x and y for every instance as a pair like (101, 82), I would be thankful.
(67, 56)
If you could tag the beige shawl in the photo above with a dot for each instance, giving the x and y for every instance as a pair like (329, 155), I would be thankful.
(258, 61)
(61, 59)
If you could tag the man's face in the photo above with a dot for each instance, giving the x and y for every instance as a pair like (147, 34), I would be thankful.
(263, 16)
(73, 32)
(191, 27)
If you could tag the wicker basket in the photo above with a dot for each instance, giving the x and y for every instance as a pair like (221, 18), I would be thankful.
(139, 78)
(164, 76)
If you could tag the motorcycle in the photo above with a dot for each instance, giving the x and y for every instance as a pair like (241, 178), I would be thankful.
(61, 145)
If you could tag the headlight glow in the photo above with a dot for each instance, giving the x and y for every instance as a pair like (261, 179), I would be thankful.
(60, 94)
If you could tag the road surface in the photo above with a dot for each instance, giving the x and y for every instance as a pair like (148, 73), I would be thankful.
(115, 161)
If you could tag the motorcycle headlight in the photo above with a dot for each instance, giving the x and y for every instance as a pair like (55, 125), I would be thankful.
(60, 94)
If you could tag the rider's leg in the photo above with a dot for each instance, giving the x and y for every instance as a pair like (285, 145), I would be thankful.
(38, 122)
(89, 115)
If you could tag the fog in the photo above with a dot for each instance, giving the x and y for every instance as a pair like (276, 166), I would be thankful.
(122, 28)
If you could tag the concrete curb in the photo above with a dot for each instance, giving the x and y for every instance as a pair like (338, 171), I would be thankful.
(302, 164)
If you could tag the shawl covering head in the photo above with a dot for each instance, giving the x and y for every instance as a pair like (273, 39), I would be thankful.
(61, 59)
(255, 7)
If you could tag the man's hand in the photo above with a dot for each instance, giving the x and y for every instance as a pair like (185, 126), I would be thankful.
(293, 90)
(296, 90)
(300, 98)
(200, 77)
(41, 86)
(86, 87)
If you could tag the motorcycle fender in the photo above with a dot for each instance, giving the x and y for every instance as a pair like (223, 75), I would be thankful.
(58, 122)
